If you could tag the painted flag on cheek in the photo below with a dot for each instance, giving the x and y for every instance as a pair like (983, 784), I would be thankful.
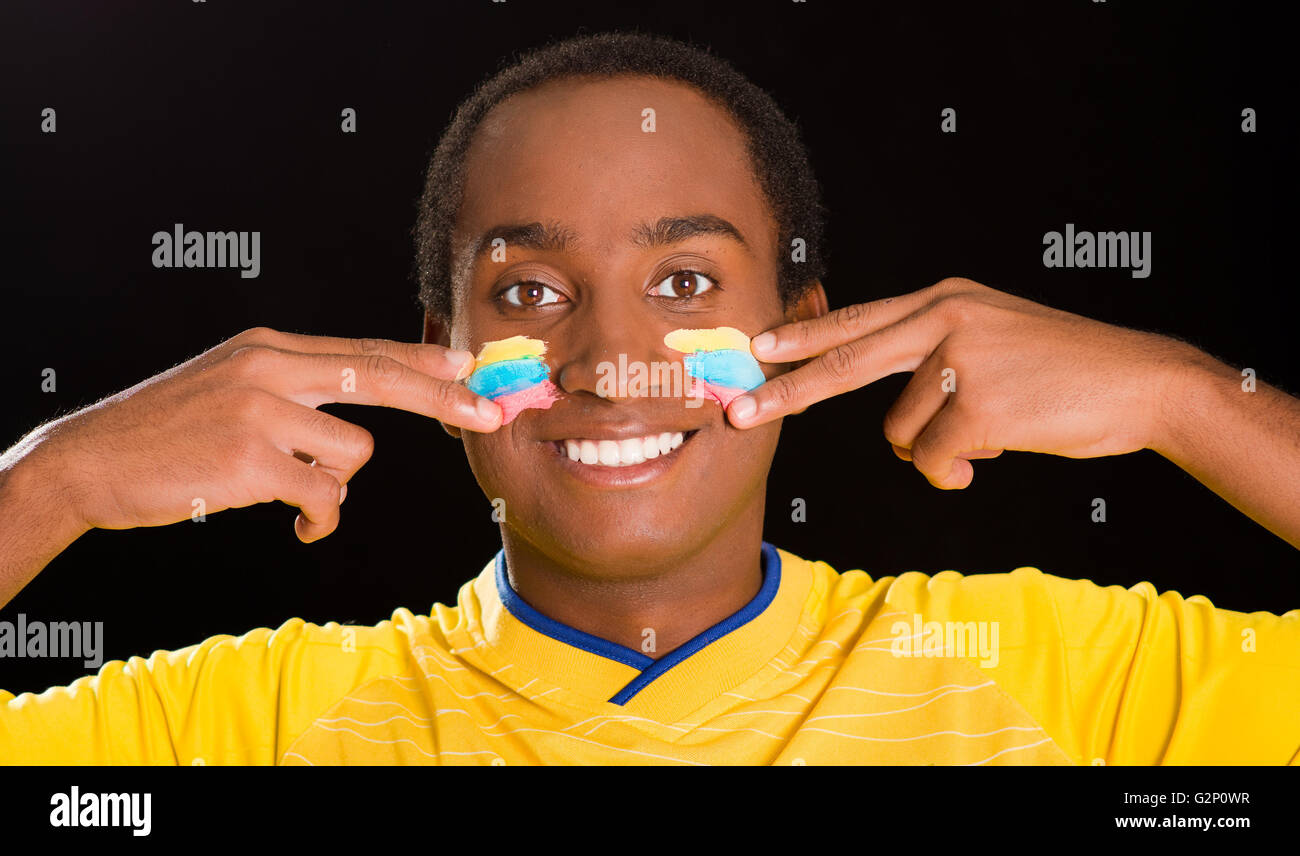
(718, 359)
(512, 373)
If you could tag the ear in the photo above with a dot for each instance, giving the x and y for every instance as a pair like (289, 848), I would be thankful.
(438, 333)
(435, 331)
(811, 304)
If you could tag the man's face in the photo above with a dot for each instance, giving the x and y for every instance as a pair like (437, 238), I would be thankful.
(637, 233)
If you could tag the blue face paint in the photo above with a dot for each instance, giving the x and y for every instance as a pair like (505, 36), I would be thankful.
(504, 378)
(728, 368)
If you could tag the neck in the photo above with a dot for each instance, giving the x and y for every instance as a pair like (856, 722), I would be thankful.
(677, 599)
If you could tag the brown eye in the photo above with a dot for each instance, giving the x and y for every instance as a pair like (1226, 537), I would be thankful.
(530, 294)
(683, 284)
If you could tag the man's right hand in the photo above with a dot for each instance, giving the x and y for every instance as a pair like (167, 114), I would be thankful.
(238, 425)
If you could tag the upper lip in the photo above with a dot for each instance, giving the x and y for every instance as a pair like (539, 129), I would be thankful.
(616, 432)
(580, 426)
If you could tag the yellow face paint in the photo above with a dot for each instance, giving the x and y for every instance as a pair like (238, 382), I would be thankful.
(711, 339)
(512, 373)
(718, 360)
(514, 348)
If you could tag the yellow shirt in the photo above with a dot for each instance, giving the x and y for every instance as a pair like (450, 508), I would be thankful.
(820, 668)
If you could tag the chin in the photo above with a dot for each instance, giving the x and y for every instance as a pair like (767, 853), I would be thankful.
(607, 547)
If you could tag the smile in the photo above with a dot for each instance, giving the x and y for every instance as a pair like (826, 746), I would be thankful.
(621, 453)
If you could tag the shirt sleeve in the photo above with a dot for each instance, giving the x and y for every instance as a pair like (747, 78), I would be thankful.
(227, 700)
(1132, 676)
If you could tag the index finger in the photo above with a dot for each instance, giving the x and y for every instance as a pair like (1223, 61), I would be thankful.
(899, 347)
(313, 379)
(427, 358)
(799, 340)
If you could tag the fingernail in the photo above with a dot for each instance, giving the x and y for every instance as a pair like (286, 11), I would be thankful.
(743, 407)
(463, 361)
(763, 343)
(343, 494)
(487, 410)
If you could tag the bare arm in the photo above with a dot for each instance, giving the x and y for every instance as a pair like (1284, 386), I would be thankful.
(1243, 445)
(992, 371)
(235, 426)
(37, 521)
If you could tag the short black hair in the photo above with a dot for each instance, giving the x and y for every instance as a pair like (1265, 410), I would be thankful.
(779, 158)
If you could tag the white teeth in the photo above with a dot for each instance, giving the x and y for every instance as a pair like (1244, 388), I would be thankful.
(623, 453)
(631, 452)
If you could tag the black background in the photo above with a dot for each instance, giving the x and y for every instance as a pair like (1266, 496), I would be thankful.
(1111, 116)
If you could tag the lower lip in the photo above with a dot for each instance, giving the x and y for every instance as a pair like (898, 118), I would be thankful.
(629, 476)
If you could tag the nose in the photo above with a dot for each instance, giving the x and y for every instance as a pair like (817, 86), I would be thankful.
(604, 341)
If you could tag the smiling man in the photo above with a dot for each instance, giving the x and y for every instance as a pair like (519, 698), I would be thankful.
(590, 201)
(614, 237)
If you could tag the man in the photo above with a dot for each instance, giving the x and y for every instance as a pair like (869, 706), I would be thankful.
(596, 197)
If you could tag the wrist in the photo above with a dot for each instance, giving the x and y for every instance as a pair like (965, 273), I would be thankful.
(1193, 381)
(35, 486)
(37, 520)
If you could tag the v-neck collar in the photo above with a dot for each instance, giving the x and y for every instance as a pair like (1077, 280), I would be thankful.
(522, 646)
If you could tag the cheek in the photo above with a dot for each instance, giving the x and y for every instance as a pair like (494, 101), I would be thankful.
(744, 457)
(501, 468)
(760, 443)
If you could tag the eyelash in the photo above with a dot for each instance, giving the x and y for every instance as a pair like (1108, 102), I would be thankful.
(501, 296)
(710, 278)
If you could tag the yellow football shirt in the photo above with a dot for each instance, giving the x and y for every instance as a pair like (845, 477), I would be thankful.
(819, 668)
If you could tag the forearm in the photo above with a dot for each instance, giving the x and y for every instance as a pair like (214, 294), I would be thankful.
(36, 520)
(1243, 445)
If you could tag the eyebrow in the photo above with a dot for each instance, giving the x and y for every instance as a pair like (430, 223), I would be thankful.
(553, 237)
(530, 236)
(671, 230)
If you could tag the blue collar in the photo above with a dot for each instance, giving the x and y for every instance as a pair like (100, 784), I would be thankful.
(649, 667)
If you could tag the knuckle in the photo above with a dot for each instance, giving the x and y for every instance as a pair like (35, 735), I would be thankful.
(923, 455)
(371, 345)
(363, 445)
(850, 319)
(256, 335)
(446, 396)
(356, 446)
(782, 392)
(381, 370)
(893, 428)
(328, 490)
(799, 335)
(789, 394)
(326, 426)
(839, 363)
(959, 308)
(250, 360)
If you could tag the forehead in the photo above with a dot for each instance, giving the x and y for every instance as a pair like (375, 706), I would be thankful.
(580, 152)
